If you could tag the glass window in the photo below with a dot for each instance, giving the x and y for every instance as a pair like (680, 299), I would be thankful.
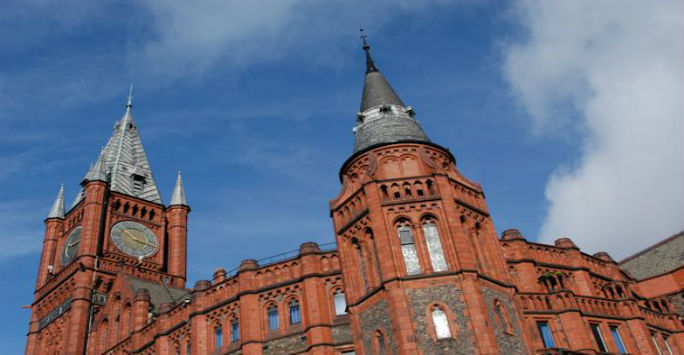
(408, 249)
(218, 337)
(362, 265)
(234, 330)
(598, 337)
(294, 312)
(340, 303)
(434, 246)
(273, 318)
(381, 343)
(545, 332)
(188, 351)
(439, 319)
(618, 340)
(654, 339)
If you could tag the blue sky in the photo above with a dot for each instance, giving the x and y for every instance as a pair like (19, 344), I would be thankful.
(568, 113)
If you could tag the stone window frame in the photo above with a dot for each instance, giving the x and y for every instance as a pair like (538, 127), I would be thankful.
(378, 346)
(214, 326)
(418, 244)
(620, 329)
(451, 320)
(266, 308)
(506, 324)
(230, 318)
(431, 218)
(286, 307)
(552, 328)
(333, 291)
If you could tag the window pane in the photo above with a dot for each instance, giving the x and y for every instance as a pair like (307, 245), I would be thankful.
(340, 303)
(411, 259)
(405, 235)
(273, 318)
(381, 344)
(547, 337)
(598, 337)
(439, 319)
(188, 351)
(218, 337)
(294, 313)
(667, 345)
(434, 247)
(234, 331)
(618, 340)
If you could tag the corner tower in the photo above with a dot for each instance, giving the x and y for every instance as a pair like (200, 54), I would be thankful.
(419, 252)
(117, 227)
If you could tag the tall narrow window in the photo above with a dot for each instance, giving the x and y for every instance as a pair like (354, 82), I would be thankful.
(654, 339)
(598, 337)
(546, 336)
(381, 343)
(188, 348)
(273, 317)
(408, 249)
(667, 345)
(294, 312)
(434, 246)
(441, 323)
(218, 337)
(362, 264)
(618, 340)
(340, 303)
(234, 330)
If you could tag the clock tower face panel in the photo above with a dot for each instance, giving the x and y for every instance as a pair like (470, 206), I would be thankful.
(134, 239)
(71, 246)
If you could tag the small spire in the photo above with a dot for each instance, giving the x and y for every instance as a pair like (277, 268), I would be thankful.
(57, 210)
(370, 65)
(98, 171)
(178, 196)
(129, 102)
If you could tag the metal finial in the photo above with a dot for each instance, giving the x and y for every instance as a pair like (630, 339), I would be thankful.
(370, 65)
(129, 102)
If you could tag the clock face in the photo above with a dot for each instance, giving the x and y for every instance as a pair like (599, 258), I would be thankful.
(134, 239)
(71, 246)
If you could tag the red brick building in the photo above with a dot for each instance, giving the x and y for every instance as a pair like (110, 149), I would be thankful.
(418, 268)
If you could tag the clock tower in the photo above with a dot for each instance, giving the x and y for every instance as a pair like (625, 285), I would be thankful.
(117, 227)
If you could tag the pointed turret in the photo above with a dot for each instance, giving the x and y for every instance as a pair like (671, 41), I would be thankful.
(97, 171)
(178, 196)
(57, 210)
(383, 117)
(123, 162)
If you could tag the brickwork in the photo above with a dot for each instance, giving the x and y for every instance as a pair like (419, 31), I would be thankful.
(418, 268)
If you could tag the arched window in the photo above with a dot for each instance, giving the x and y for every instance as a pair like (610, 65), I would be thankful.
(380, 343)
(188, 346)
(434, 246)
(501, 316)
(218, 337)
(177, 348)
(294, 312)
(408, 249)
(362, 263)
(234, 330)
(441, 323)
(273, 317)
(340, 303)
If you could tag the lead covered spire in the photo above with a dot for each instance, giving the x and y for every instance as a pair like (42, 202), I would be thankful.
(178, 195)
(383, 117)
(57, 210)
(123, 161)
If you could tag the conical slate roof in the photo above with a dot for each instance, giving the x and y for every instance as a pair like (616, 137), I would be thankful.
(383, 118)
(124, 164)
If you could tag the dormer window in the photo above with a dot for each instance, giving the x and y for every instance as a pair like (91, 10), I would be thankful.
(410, 112)
(360, 117)
(138, 183)
(385, 109)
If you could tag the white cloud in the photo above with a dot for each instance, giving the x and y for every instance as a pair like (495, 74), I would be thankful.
(614, 72)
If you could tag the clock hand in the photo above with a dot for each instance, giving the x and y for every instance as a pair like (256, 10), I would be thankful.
(137, 239)
(72, 243)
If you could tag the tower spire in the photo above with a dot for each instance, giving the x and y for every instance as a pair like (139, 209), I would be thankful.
(57, 210)
(178, 196)
(370, 65)
(129, 102)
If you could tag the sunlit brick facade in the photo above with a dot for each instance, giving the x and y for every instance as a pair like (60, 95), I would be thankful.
(417, 267)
